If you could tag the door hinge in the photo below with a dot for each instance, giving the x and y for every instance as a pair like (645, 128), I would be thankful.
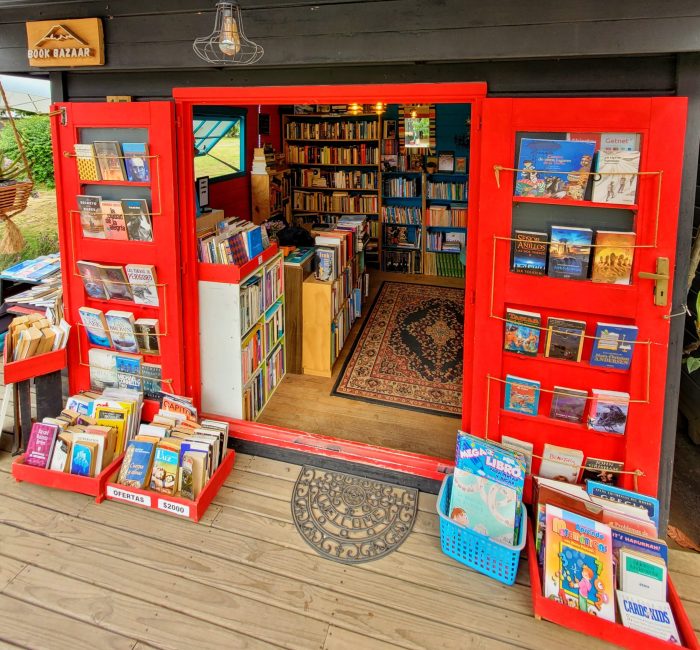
(661, 278)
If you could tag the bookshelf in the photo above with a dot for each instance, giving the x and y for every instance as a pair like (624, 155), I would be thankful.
(242, 337)
(270, 195)
(328, 311)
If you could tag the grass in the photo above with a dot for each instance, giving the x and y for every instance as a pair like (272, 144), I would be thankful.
(39, 225)
(228, 149)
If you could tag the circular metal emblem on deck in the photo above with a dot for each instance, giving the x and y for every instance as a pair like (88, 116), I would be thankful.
(351, 519)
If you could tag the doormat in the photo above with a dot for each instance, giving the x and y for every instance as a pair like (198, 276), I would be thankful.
(409, 351)
(351, 519)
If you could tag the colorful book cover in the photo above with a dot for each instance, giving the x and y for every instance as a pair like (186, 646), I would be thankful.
(107, 416)
(522, 395)
(487, 488)
(578, 565)
(146, 330)
(103, 368)
(612, 257)
(529, 252)
(136, 162)
(569, 252)
(87, 163)
(651, 617)
(129, 372)
(95, 327)
(568, 404)
(561, 463)
(613, 345)
(238, 249)
(608, 412)
(121, 327)
(616, 177)
(109, 160)
(113, 220)
(565, 339)
(522, 332)
(136, 467)
(521, 446)
(93, 281)
(299, 256)
(40, 445)
(152, 385)
(623, 539)
(557, 169)
(91, 216)
(116, 283)
(626, 497)
(144, 283)
(602, 470)
(164, 477)
(255, 244)
(83, 460)
(325, 264)
(138, 219)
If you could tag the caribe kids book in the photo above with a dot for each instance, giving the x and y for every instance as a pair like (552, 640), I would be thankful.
(487, 489)
(578, 565)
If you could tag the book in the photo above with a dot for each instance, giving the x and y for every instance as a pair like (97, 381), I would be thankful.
(326, 268)
(61, 453)
(525, 448)
(164, 475)
(522, 332)
(569, 252)
(601, 470)
(612, 258)
(619, 141)
(116, 283)
(254, 242)
(152, 386)
(487, 488)
(91, 274)
(91, 216)
(642, 574)
(193, 474)
(83, 461)
(113, 220)
(88, 169)
(561, 463)
(144, 283)
(564, 339)
(613, 345)
(578, 564)
(138, 219)
(622, 539)
(136, 162)
(528, 253)
(121, 328)
(109, 160)
(299, 256)
(616, 177)
(615, 494)
(129, 371)
(651, 617)
(103, 368)
(98, 442)
(95, 326)
(40, 446)
(568, 404)
(557, 169)
(146, 330)
(136, 466)
(522, 395)
(117, 417)
(608, 412)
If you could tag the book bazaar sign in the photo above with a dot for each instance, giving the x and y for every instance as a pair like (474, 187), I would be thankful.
(65, 43)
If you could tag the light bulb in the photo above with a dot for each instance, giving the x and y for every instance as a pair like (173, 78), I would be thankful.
(379, 107)
(229, 40)
(354, 108)
(414, 114)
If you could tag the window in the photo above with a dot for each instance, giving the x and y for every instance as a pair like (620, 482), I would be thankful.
(219, 142)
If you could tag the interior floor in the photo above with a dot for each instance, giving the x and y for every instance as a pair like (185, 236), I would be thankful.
(305, 403)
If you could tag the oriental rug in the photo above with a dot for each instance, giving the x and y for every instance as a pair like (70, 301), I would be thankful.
(351, 519)
(409, 351)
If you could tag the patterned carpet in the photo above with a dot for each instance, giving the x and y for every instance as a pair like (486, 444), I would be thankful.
(409, 351)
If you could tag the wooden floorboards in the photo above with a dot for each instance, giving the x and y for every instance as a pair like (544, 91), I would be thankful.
(305, 403)
(76, 574)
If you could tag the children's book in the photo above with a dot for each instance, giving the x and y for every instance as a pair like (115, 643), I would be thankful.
(95, 326)
(568, 404)
(522, 395)
(641, 543)
(91, 217)
(608, 412)
(557, 169)
(565, 339)
(649, 616)
(487, 488)
(529, 252)
(642, 574)
(299, 256)
(522, 332)
(561, 463)
(578, 564)
(602, 470)
(612, 257)
(113, 220)
(619, 495)
(136, 161)
(616, 178)
(138, 219)
(569, 252)
(613, 345)
(525, 448)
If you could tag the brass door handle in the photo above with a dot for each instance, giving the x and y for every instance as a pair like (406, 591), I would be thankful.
(660, 278)
(646, 275)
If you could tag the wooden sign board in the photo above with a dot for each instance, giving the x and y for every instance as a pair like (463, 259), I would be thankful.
(65, 43)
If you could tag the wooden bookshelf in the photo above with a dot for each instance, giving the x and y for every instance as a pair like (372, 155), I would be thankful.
(270, 194)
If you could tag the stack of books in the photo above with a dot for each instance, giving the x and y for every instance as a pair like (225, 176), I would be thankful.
(31, 335)
(231, 241)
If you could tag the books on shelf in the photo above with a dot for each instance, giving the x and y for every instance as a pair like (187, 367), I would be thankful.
(404, 261)
(138, 219)
(613, 256)
(88, 169)
(231, 241)
(332, 130)
(446, 216)
(521, 395)
(400, 187)
(109, 160)
(401, 236)
(136, 283)
(337, 201)
(401, 214)
(529, 252)
(144, 283)
(361, 154)
(136, 161)
(608, 411)
(522, 332)
(147, 335)
(601, 470)
(569, 252)
(342, 179)
(613, 345)
(565, 339)
(113, 220)
(568, 404)
(121, 329)
(33, 334)
(447, 191)
(91, 216)
(95, 326)
(561, 463)
(616, 176)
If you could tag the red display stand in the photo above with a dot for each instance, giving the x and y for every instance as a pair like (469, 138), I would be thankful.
(591, 625)
(92, 486)
(171, 505)
(42, 364)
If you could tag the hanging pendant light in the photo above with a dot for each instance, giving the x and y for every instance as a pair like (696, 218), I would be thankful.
(227, 44)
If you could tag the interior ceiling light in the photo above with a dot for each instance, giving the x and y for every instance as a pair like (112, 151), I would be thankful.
(227, 44)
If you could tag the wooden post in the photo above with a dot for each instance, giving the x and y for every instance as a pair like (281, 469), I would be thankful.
(25, 412)
(49, 395)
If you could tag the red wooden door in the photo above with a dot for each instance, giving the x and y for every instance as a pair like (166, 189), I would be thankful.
(660, 124)
(153, 123)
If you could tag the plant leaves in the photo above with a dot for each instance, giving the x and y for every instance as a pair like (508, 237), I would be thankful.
(692, 363)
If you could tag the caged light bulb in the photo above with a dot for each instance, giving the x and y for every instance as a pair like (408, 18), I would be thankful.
(229, 40)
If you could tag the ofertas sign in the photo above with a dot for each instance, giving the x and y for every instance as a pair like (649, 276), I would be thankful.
(65, 43)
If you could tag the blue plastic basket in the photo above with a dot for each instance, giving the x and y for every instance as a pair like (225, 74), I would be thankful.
(477, 551)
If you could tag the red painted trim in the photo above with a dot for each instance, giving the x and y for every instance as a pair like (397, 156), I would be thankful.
(42, 364)
(232, 274)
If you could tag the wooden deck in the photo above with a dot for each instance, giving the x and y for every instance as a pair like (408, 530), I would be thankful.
(75, 574)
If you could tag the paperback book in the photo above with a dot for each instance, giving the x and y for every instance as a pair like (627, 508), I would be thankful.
(522, 446)
(608, 412)
(152, 385)
(136, 466)
(569, 252)
(83, 460)
(91, 216)
(144, 283)
(103, 368)
(93, 280)
(121, 328)
(136, 162)
(522, 332)
(95, 327)
(616, 178)
(613, 345)
(40, 446)
(116, 283)
(568, 404)
(642, 574)
(146, 330)
(129, 371)
(614, 494)
(109, 161)
(114, 222)
(652, 617)
(88, 169)
(561, 463)
(565, 339)
(138, 219)
(612, 259)
(529, 252)
(602, 470)
(522, 395)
